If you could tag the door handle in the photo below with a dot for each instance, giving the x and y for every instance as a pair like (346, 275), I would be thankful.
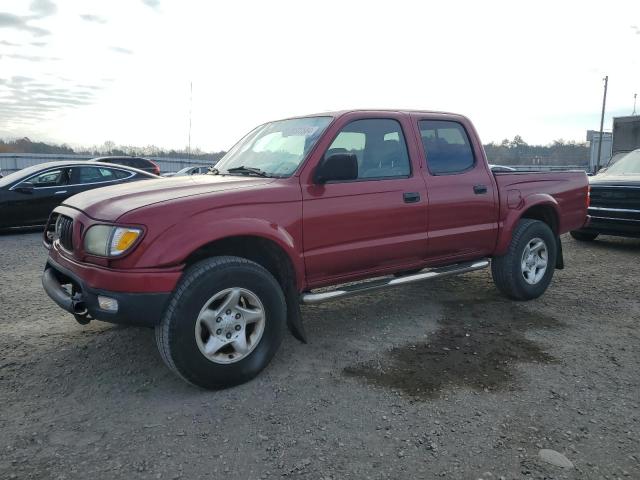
(479, 189)
(60, 192)
(411, 197)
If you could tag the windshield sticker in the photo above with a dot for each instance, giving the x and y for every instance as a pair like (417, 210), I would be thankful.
(299, 131)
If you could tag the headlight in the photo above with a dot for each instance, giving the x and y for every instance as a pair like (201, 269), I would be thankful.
(108, 241)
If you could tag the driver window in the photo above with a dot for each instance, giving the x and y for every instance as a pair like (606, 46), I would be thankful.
(379, 146)
(51, 178)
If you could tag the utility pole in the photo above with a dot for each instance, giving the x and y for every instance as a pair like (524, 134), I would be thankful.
(604, 102)
(190, 101)
(635, 95)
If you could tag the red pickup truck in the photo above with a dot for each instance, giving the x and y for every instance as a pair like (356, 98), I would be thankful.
(295, 213)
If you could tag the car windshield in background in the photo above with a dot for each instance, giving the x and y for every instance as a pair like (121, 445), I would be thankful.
(274, 149)
(629, 164)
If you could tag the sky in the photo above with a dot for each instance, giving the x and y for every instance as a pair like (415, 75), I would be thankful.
(84, 72)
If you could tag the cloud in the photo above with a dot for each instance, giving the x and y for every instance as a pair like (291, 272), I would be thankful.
(122, 50)
(9, 20)
(24, 98)
(43, 8)
(155, 4)
(29, 58)
(636, 29)
(93, 18)
(8, 44)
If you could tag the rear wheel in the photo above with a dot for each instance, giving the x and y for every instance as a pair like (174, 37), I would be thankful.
(224, 323)
(584, 236)
(526, 270)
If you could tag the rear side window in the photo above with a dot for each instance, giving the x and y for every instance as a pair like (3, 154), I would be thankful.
(447, 147)
(96, 174)
(379, 146)
(139, 163)
(120, 174)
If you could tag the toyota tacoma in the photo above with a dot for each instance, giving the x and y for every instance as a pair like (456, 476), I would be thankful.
(302, 211)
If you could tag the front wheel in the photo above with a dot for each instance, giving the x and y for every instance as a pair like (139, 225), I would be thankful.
(526, 270)
(224, 323)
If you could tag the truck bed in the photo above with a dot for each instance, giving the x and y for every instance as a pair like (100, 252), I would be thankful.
(565, 190)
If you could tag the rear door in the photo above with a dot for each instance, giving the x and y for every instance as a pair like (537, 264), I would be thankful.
(87, 178)
(463, 211)
(375, 223)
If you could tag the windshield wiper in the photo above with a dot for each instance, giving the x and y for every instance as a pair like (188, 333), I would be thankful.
(248, 170)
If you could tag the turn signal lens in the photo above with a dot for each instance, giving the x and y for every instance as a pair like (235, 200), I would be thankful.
(122, 240)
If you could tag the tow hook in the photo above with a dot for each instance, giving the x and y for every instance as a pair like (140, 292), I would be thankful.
(80, 311)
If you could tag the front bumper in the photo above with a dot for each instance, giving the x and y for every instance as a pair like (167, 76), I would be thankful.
(613, 221)
(72, 294)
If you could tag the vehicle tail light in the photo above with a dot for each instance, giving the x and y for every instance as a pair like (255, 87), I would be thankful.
(588, 196)
(156, 168)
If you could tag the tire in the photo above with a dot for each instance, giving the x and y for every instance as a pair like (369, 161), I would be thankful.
(584, 236)
(184, 335)
(508, 271)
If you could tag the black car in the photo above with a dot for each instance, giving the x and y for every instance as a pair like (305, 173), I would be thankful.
(615, 200)
(135, 162)
(188, 171)
(28, 196)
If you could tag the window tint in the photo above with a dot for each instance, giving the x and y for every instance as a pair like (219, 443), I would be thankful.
(379, 146)
(447, 147)
(139, 163)
(120, 174)
(95, 174)
(51, 178)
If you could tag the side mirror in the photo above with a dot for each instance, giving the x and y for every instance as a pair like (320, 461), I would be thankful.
(24, 187)
(339, 166)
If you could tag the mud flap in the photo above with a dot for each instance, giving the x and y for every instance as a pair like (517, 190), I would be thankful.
(294, 316)
(559, 256)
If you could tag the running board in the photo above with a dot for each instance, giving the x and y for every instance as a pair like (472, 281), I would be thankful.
(311, 298)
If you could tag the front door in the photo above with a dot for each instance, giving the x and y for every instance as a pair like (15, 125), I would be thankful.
(49, 189)
(374, 223)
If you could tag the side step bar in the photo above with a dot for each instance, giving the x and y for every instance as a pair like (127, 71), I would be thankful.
(311, 298)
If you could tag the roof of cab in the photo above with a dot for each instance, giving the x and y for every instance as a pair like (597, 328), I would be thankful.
(339, 113)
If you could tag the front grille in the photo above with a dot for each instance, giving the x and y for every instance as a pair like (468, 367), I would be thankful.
(64, 232)
(615, 197)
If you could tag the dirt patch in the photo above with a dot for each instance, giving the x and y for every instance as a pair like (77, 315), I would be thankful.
(477, 347)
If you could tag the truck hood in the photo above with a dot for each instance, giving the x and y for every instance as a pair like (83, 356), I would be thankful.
(110, 203)
(616, 180)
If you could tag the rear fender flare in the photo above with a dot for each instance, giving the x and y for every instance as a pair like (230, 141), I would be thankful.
(513, 216)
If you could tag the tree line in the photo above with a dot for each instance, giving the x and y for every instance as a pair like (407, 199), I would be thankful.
(25, 145)
(507, 152)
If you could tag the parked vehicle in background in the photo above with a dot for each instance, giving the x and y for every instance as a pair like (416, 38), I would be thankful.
(615, 200)
(135, 162)
(28, 196)
(188, 171)
(626, 137)
(501, 168)
(220, 263)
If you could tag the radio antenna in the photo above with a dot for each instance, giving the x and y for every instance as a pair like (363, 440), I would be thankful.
(190, 103)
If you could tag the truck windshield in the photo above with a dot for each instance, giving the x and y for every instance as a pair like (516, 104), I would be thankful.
(274, 149)
(629, 164)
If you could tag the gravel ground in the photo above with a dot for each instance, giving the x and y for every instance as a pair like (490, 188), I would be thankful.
(437, 380)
